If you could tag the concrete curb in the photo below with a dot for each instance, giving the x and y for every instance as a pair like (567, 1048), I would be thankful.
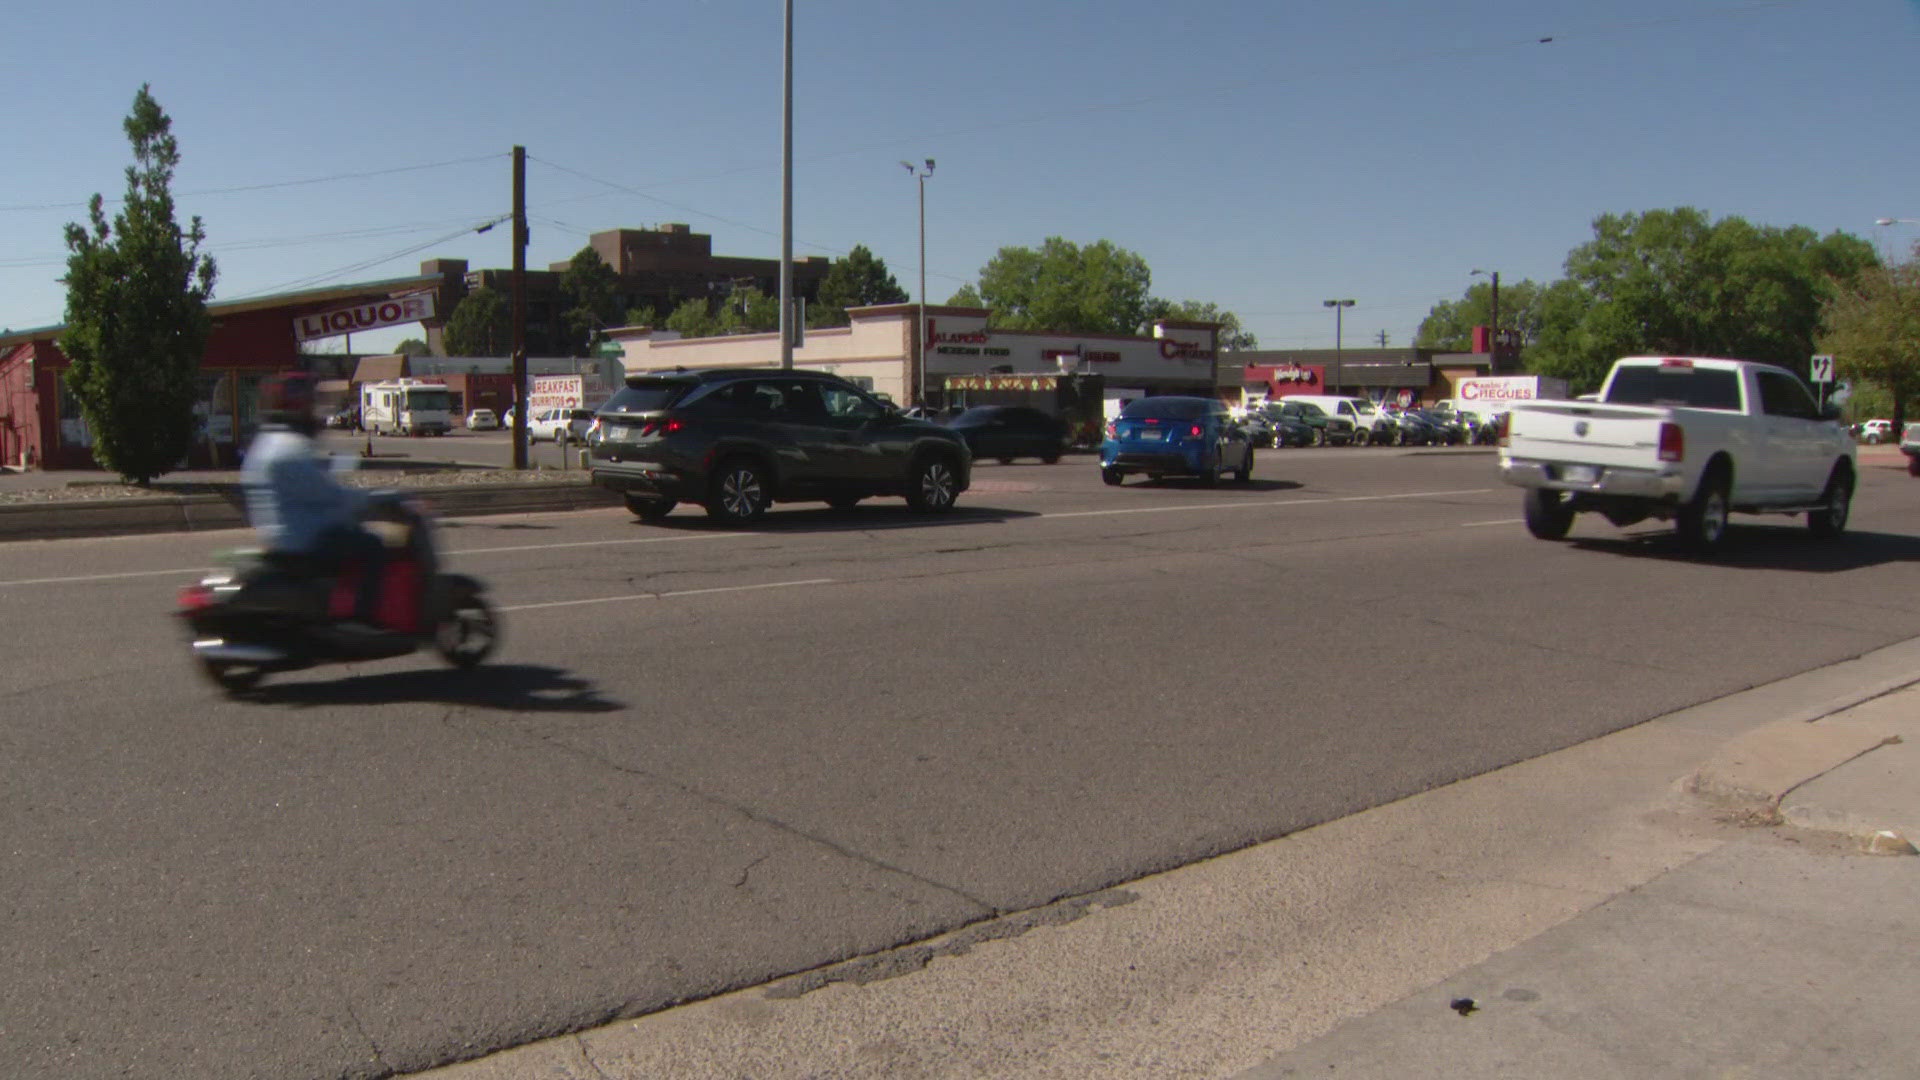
(199, 513)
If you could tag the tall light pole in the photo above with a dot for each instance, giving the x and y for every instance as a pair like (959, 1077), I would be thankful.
(1339, 308)
(920, 316)
(1493, 360)
(786, 200)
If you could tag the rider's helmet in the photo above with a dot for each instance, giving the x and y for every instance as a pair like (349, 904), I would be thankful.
(288, 399)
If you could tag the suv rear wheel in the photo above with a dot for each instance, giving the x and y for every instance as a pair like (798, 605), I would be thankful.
(739, 492)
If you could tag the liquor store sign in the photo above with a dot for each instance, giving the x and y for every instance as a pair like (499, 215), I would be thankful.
(370, 316)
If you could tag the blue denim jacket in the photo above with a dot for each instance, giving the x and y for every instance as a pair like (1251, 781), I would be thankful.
(292, 497)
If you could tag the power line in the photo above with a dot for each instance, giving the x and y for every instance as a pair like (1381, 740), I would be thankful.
(268, 186)
(321, 278)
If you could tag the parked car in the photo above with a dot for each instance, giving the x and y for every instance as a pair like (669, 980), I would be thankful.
(1910, 446)
(1408, 428)
(1288, 428)
(1175, 436)
(1259, 429)
(1361, 416)
(1326, 429)
(1006, 432)
(1446, 428)
(345, 418)
(483, 420)
(550, 424)
(1875, 432)
(737, 440)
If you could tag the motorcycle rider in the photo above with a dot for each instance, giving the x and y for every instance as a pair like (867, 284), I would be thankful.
(295, 503)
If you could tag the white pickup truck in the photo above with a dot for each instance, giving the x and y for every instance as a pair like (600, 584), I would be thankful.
(1684, 439)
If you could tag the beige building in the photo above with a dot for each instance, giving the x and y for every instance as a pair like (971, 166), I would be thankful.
(881, 351)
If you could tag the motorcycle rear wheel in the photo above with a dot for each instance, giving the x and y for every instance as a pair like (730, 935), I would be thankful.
(231, 677)
(468, 631)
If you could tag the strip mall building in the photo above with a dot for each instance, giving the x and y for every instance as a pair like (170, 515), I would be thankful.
(881, 351)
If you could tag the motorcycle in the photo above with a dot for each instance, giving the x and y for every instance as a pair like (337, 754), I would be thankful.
(265, 612)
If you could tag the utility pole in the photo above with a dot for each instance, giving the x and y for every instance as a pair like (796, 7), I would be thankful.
(1382, 336)
(520, 307)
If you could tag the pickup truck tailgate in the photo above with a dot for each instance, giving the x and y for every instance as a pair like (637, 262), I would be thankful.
(1607, 435)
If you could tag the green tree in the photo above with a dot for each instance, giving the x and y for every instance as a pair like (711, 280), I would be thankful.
(644, 315)
(137, 321)
(1097, 289)
(1873, 332)
(481, 325)
(1448, 327)
(413, 346)
(966, 296)
(1232, 337)
(693, 318)
(857, 280)
(1674, 282)
(587, 288)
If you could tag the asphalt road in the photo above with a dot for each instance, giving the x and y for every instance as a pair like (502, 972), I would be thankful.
(708, 757)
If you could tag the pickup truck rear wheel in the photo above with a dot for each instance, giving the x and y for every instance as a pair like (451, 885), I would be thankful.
(1703, 521)
(1547, 513)
(1831, 519)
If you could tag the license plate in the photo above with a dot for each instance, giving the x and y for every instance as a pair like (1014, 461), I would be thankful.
(1579, 474)
(617, 433)
(1152, 435)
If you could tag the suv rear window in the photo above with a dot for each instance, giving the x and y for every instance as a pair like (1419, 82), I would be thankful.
(1675, 387)
(1167, 408)
(646, 395)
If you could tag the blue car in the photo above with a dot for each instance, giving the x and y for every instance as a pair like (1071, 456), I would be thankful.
(1175, 436)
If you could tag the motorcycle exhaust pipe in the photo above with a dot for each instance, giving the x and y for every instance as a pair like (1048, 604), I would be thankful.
(236, 652)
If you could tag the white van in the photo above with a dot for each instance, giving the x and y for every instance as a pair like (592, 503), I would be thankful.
(1367, 420)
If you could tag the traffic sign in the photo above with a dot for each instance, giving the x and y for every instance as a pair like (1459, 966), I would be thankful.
(1822, 369)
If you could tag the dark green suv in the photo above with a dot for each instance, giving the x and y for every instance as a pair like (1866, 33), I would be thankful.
(737, 440)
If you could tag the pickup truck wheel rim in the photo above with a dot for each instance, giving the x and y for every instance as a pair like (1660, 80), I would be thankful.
(1713, 517)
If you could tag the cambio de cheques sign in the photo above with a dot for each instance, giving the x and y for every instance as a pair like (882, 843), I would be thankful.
(1509, 388)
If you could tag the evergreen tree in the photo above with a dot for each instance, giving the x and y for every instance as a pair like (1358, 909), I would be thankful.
(137, 321)
(858, 280)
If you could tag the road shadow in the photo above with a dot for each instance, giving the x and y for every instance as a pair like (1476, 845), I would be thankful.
(863, 518)
(514, 688)
(1767, 547)
(1224, 487)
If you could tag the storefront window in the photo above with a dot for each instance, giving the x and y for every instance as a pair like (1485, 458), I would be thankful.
(250, 405)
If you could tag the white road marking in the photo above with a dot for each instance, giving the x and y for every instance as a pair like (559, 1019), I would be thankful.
(1168, 509)
(1174, 508)
(669, 595)
(82, 578)
(1482, 524)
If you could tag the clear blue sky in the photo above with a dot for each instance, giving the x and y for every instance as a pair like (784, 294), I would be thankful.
(1261, 154)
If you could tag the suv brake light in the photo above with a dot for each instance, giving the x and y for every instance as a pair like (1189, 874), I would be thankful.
(1195, 431)
(1673, 442)
(662, 427)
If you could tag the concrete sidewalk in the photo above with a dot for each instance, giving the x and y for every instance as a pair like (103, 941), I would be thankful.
(1790, 959)
(1633, 906)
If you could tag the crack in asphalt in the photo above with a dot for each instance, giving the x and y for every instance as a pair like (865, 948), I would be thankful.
(907, 959)
(379, 1059)
(580, 1044)
(756, 816)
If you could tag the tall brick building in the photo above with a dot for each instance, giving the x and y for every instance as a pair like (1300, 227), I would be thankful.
(658, 268)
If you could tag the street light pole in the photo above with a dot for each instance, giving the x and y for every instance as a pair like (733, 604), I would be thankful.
(1339, 308)
(1493, 357)
(920, 315)
(1886, 249)
(786, 201)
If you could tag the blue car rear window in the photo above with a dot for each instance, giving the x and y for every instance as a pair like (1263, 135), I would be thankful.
(1167, 408)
